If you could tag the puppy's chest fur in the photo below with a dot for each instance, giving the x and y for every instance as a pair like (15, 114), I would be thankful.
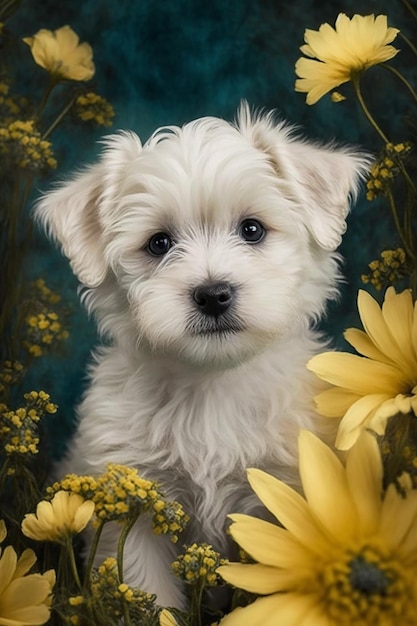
(196, 432)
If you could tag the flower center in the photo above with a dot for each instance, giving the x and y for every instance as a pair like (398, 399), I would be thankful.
(366, 586)
(367, 578)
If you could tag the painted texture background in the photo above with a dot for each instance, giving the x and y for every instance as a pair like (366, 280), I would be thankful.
(162, 63)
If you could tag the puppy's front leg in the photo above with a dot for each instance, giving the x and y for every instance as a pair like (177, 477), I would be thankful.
(147, 561)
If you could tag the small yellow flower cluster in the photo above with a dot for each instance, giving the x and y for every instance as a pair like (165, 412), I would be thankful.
(121, 493)
(45, 293)
(24, 147)
(110, 594)
(18, 428)
(90, 107)
(169, 518)
(43, 325)
(390, 267)
(385, 169)
(11, 106)
(10, 373)
(198, 565)
(42, 330)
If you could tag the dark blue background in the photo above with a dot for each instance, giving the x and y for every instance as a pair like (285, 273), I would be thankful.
(171, 61)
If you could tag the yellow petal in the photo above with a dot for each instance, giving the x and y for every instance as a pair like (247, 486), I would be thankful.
(8, 562)
(23, 594)
(83, 515)
(326, 487)
(335, 402)
(363, 344)
(376, 328)
(364, 473)
(167, 619)
(286, 609)
(397, 311)
(357, 374)
(398, 515)
(357, 418)
(61, 508)
(290, 509)
(268, 543)
(26, 560)
(3, 530)
(258, 578)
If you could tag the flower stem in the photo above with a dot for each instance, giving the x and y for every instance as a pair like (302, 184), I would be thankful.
(402, 236)
(120, 550)
(402, 79)
(410, 8)
(409, 43)
(59, 118)
(70, 551)
(371, 120)
(92, 554)
(50, 86)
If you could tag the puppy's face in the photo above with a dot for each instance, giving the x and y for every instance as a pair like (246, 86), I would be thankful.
(217, 238)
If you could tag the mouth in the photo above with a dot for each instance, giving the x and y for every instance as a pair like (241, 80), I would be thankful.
(215, 327)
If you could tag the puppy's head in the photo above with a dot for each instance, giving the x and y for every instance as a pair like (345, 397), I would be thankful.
(212, 240)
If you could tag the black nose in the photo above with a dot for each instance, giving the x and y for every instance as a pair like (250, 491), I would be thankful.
(213, 298)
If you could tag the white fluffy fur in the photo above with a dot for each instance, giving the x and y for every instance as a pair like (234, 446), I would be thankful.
(194, 410)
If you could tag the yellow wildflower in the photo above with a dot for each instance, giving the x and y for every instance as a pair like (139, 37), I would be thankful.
(390, 267)
(371, 388)
(24, 598)
(336, 54)
(345, 556)
(94, 108)
(198, 564)
(65, 515)
(60, 53)
(22, 143)
(109, 594)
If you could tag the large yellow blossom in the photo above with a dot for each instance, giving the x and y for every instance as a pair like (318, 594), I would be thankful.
(371, 388)
(60, 53)
(24, 598)
(346, 555)
(336, 54)
(65, 515)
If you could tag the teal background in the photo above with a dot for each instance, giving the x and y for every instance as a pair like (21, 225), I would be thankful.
(168, 62)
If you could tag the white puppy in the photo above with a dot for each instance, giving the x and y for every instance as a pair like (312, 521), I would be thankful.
(208, 253)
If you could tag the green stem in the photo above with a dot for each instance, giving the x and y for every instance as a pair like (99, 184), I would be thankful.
(49, 88)
(395, 215)
(93, 551)
(409, 43)
(59, 118)
(195, 606)
(401, 78)
(410, 8)
(371, 120)
(70, 552)
(120, 550)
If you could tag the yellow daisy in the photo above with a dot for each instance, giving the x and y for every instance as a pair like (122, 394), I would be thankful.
(24, 598)
(336, 54)
(345, 556)
(60, 53)
(371, 388)
(65, 515)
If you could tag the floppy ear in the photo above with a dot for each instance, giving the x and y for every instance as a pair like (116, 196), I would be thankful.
(323, 180)
(72, 214)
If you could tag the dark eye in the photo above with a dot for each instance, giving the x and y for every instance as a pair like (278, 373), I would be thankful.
(252, 231)
(159, 244)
